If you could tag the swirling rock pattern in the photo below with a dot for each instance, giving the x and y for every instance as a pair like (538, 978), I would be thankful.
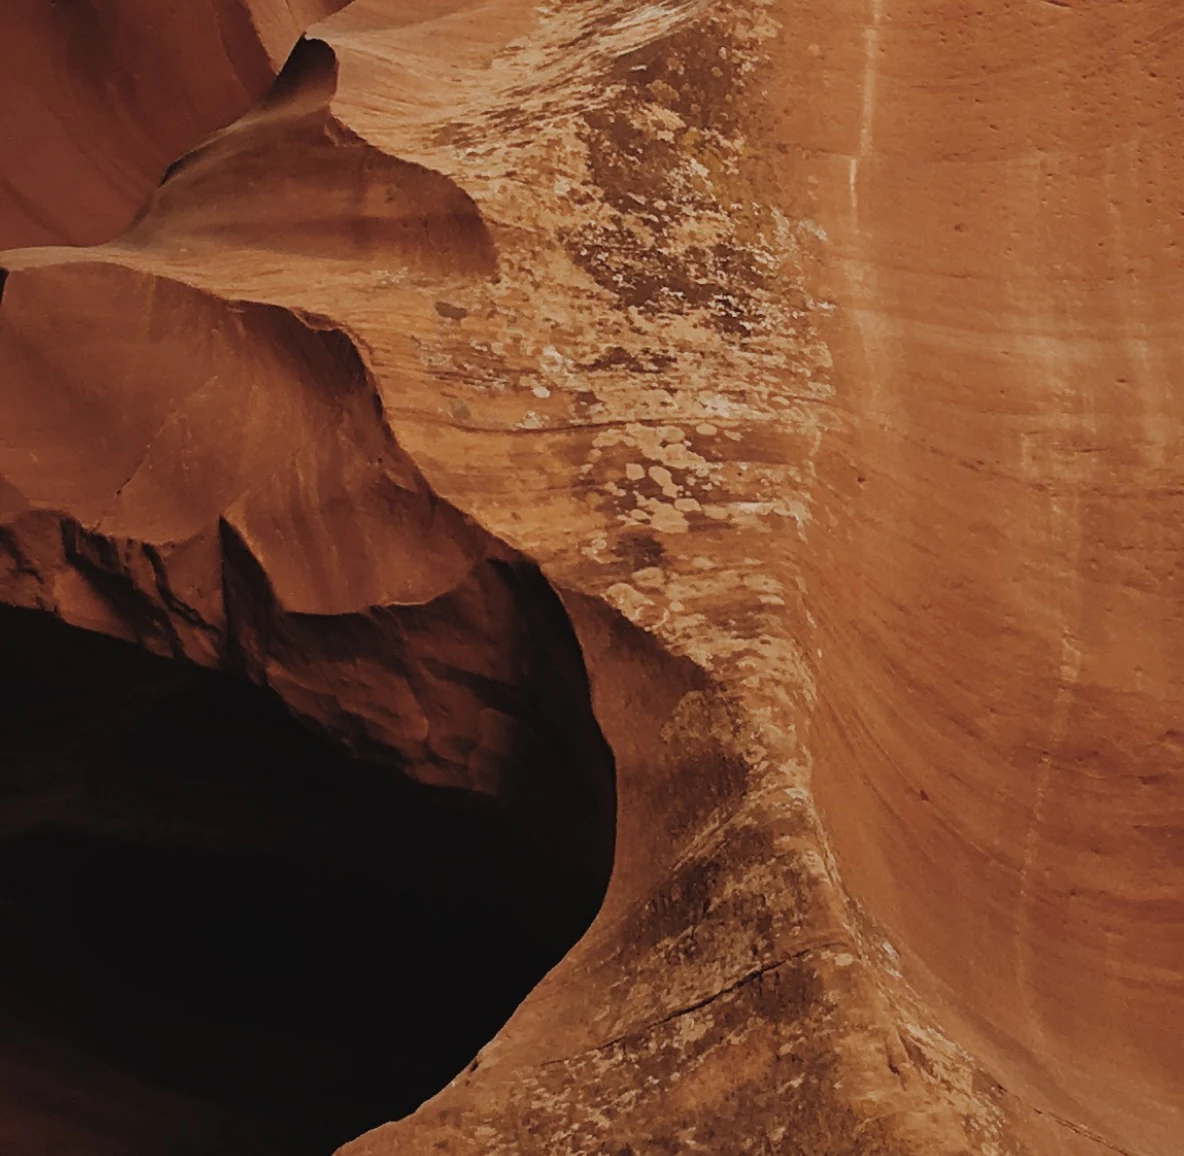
(821, 356)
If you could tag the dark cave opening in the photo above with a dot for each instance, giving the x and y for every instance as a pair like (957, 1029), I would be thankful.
(220, 933)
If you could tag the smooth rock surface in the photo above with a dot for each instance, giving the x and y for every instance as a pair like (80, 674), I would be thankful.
(99, 97)
(821, 355)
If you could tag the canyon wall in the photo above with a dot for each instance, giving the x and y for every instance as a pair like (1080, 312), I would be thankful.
(821, 358)
(997, 746)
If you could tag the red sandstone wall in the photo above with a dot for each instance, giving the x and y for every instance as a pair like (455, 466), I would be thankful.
(992, 559)
(98, 98)
(997, 549)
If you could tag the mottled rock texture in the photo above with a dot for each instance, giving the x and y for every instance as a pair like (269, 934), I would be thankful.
(824, 360)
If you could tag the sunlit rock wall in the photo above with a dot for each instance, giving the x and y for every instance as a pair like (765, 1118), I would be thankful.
(823, 357)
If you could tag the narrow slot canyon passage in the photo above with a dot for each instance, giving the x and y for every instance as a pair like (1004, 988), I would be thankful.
(222, 934)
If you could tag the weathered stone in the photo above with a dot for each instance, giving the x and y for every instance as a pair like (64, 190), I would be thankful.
(820, 356)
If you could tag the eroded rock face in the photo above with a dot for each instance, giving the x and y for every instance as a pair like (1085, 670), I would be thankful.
(821, 357)
(99, 98)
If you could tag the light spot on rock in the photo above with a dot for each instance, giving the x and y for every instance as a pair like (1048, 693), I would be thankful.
(629, 601)
(665, 479)
(669, 520)
(651, 577)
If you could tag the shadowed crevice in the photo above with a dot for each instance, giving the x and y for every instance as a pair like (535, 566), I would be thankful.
(220, 933)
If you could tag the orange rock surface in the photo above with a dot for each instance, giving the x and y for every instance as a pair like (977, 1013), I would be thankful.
(998, 746)
(821, 356)
(99, 97)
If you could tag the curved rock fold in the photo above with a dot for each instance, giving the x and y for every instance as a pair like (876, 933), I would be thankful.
(729, 445)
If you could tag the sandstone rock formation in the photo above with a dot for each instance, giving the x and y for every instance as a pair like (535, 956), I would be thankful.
(99, 97)
(818, 357)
